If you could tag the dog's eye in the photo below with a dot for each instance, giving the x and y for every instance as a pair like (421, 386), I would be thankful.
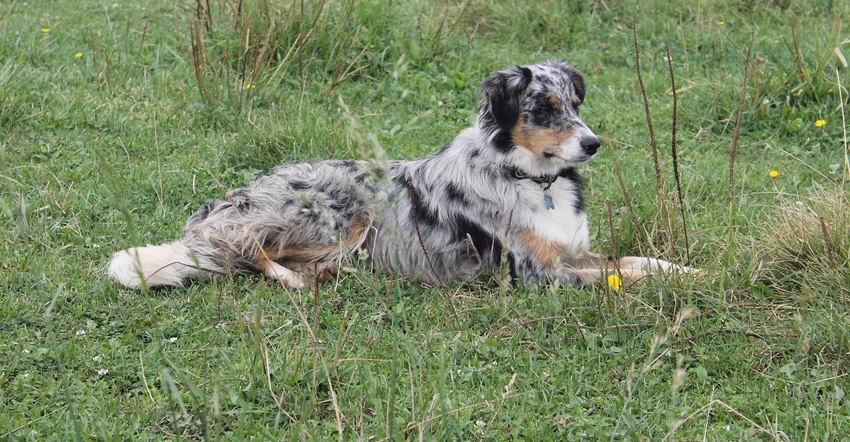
(545, 107)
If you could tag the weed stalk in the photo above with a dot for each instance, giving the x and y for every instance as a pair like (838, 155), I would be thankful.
(734, 147)
(649, 124)
(675, 155)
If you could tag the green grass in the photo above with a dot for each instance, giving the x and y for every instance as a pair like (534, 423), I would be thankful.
(117, 147)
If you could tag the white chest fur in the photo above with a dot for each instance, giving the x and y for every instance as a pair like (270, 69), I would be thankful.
(561, 221)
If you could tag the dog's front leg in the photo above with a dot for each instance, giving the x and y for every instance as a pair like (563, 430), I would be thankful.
(591, 267)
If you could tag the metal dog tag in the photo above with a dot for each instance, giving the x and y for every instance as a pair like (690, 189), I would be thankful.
(547, 200)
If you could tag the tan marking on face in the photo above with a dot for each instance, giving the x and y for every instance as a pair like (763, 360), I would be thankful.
(539, 140)
(553, 99)
(545, 251)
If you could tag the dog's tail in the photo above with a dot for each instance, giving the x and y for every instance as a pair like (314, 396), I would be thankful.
(166, 264)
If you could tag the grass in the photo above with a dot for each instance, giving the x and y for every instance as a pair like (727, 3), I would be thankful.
(117, 146)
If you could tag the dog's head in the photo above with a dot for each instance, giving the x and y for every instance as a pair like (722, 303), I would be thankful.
(532, 112)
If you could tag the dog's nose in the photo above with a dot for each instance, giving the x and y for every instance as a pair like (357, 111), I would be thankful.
(589, 144)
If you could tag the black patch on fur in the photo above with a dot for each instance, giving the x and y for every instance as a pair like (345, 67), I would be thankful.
(501, 104)
(366, 181)
(454, 193)
(299, 185)
(423, 215)
(503, 141)
(546, 83)
(489, 248)
(543, 113)
(570, 173)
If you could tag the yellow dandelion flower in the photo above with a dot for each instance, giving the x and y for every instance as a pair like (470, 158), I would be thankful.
(78, 55)
(820, 123)
(249, 86)
(615, 282)
(721, 23)
(773, 174)
(45, 30)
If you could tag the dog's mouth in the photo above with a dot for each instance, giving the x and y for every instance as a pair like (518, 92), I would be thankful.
(581, 151)
(569, 154)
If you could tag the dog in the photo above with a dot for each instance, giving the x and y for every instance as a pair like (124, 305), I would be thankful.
(504, 197)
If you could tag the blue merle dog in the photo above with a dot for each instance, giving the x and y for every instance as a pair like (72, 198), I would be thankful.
(504, 196)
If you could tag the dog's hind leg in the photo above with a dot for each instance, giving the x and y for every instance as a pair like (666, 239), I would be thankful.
(303, 263)
(271, 269)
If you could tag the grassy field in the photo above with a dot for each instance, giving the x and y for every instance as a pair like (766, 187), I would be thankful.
(118, 120)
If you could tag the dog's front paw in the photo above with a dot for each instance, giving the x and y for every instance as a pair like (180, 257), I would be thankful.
(654, 265)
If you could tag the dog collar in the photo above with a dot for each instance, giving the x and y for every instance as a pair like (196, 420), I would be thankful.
(543, 180)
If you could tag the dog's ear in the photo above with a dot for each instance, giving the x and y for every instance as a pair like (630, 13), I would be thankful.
(578, 84)
(501, 97)
(575, 77)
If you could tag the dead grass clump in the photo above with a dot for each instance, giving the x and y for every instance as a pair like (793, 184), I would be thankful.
(806, 244)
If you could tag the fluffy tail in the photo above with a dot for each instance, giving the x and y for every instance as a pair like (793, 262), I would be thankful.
(166, 264)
